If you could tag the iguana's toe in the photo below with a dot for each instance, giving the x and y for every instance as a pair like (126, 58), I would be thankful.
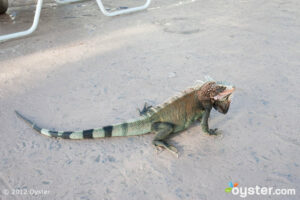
(163, 145)
(173, 150)
(158, 149)
(145, 109)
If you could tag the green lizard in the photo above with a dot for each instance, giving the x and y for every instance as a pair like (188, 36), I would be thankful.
(176, 114)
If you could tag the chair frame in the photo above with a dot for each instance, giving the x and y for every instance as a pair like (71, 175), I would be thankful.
(38, 12)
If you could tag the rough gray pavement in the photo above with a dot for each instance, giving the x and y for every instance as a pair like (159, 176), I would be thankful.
(81, 70)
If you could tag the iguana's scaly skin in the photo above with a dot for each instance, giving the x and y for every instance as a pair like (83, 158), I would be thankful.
(175, 115)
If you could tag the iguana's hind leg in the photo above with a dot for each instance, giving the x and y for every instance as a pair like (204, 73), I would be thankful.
(145, 109)
(162, 130)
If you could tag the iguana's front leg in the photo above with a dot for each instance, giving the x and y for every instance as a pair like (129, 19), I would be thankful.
(204, 123)
(162, 130)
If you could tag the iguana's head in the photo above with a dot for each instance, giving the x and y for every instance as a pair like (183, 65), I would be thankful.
(218, 93)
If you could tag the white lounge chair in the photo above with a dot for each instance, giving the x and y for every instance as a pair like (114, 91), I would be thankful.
(4, 5)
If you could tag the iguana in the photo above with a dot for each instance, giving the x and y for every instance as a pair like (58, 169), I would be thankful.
(176, 114)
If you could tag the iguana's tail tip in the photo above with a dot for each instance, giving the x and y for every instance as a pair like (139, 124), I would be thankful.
(24, 118)
(19, 114)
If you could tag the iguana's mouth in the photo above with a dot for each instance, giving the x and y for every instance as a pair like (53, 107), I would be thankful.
(222, 106)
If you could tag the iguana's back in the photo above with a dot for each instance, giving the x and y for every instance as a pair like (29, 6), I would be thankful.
(180, 110)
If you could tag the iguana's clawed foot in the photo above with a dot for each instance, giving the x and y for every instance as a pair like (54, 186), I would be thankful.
(145, 109)
(163, 145)
(213, 131)
(209, 131)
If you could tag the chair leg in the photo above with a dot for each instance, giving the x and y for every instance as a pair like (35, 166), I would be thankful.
(105, 12)
(67, 1)
(120, 12)
(28, 31)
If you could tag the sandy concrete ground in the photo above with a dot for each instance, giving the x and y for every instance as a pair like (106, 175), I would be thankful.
(82, 70)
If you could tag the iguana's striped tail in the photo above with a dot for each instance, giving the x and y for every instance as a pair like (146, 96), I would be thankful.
(134, 127)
